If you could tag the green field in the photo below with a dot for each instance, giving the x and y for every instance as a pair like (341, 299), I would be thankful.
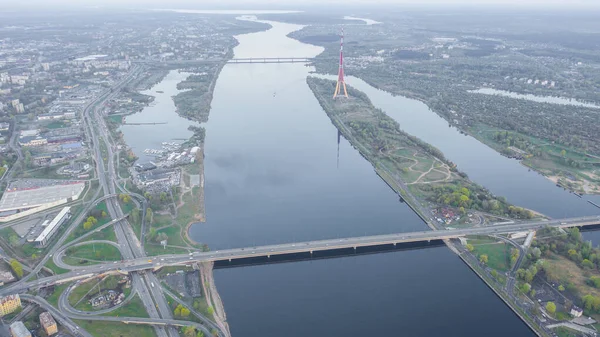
(92, 253)
(115, 329)
(58, 290)
(79, 231)
(56, 269)
(135, 308)
(497, 251)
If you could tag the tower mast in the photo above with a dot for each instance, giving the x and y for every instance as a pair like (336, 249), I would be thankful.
(341, 84)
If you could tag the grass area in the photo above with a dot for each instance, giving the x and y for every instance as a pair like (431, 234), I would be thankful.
(56, 269)
(58, 290)
(108, 283)
(548, 158)
(93, 251)
(107, 234)
(153, 249)
(79, 231)
(135, 308)
(80, 291)
(564, 271)
(42, 173)
(115, 329)
(115, 118)
(170, 270)
(565, 332)
(498, 252)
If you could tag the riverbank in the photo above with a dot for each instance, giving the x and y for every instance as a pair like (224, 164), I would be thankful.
(426, 176)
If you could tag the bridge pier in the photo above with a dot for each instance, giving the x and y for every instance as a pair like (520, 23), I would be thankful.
(395, 244)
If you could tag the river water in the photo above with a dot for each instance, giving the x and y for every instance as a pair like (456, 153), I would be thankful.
(274, 174)
(162, 109)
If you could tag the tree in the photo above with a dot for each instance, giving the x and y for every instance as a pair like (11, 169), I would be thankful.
(103, 214)
(470, 247)
(13, 240)
(17, 267)
(551, 308)
(33, 256)
(200, 334)
(525, 288)
(536, 252)
(152, 233)
(185, 312)
(532, 293)
(135, 215)
(189, 331)
(210, 311)
(87, 225)
(92, 220)
(162, 236)
(494, 273)
(149, 215)
(177, 311)
(483, 258)
(561, 288)
(563, 153)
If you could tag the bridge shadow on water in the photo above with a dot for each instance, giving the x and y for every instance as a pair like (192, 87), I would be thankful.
(328, 254)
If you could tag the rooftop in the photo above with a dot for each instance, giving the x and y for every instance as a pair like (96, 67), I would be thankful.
(46, 319)
(18, 329)
(29, 198)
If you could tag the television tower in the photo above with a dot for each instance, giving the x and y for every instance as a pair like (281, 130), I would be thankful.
(341, 84)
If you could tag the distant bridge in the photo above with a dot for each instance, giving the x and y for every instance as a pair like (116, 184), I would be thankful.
(148, 123)
(243, 60)
(271, 60)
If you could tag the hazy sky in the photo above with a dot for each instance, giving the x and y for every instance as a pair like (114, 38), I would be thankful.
(289, 4)
(242, 3)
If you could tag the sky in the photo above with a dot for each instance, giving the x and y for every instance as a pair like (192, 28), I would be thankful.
(243, 3)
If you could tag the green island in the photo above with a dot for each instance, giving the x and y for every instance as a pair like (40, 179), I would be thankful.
(415, 169)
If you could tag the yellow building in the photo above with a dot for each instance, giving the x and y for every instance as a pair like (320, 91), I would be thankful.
(48, 323)
(9, 304)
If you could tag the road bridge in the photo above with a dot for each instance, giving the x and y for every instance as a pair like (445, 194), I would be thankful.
(294, 59)
(308, 247)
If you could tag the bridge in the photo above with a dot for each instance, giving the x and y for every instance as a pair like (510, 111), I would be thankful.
(296, 59)
(270, 60)
(307, 248)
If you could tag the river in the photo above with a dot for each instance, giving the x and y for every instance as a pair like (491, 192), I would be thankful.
(274, 174)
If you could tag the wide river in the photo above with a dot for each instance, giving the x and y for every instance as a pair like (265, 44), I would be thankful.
(276, 173)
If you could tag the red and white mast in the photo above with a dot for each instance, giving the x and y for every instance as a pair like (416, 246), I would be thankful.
(341, 84)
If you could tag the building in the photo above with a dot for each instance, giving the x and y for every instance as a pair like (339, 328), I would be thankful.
(4, 126)
(48, 323)
(9, 304)
(18, 202)
(32, 141)
(52, 226)
(6, 277)
(18, 329)
(576, 311)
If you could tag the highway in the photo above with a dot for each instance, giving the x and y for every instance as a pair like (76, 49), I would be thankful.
(130, 246)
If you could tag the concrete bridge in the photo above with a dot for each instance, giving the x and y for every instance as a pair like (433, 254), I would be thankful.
(297, 59)
(307, 248)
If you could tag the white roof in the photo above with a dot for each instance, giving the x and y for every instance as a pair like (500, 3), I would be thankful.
(53, 224)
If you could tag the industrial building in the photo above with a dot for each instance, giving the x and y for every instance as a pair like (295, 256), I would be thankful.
(18, 329)
(48, 323)
(9, 304)
(17, 202)
(51, 227)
